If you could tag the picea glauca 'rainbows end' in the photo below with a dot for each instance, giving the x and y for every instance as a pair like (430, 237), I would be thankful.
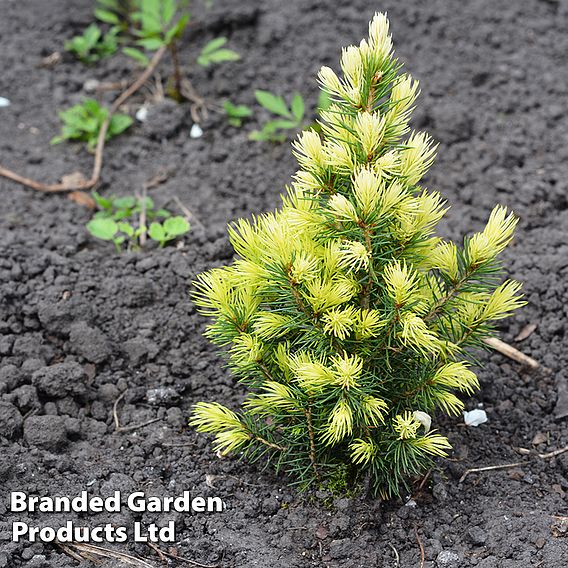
(343, 314)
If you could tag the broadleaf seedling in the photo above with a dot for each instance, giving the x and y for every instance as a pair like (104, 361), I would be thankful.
(119, 220)
(214, 52)
(83, 122)
(169, 230)
(159, 23)
(236, 113)
(93, 45)
(291, 118)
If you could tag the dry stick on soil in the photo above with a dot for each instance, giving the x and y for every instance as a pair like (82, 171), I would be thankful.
(396, 555)
(98, 161)
(142, 237)
(162, 553)
(86, 550)
(512, 353)
(546, 456)
(129, 428)
(553, 454)
(187, 212)
(489, 468)
(422, 553)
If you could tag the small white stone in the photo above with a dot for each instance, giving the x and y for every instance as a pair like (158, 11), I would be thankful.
(4, 102)
(475, 417)
(142, 114)
(91, 85)
(196, 131)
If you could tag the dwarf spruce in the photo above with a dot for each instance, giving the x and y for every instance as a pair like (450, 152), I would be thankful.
(344, 315)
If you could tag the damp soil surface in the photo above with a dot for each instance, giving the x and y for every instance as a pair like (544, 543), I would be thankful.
(89, 336)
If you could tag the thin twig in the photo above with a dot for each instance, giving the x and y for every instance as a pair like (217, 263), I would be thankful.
(157, 551)
(511, 352)
(421, 546)
(396, 555)
(129, 428)
(115, 413)
(85, 184)
(553, 454)
(91, 549)
(182, 559)
(187, 212)
(142, 237)
(489, 468)
(118, 428)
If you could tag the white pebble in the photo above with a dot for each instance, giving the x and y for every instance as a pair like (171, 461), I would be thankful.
(196, 131)
(4, 102)
(475, 417)
(91, 85)
(142, 114)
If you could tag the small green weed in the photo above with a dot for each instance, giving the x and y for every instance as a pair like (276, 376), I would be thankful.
(119, 220)
(214, 52)
(236, 113)
(83, 122)
(289, 118)
(93, 45)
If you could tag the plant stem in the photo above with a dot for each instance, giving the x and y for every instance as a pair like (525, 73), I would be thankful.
(177, 71)
(269, 444)
(308, 413)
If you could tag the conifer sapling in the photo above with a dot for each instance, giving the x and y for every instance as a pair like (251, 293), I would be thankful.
(344, 315)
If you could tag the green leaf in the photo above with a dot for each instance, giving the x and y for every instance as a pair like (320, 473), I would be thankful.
(272, 103)
(107, 17)
(273, 125)
(213, 45)
(126, 202)
(177, 30)
(222, 55)
(236, 112)
(103, 202)
(126, 228)
(157, 233)
(297, 106)
(102, 228)
(175, 226)
(92, 34)
(169, 8)
(137, 55)
(151, 43)
(119, 123)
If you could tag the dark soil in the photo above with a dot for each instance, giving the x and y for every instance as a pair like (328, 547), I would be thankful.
(80, 325)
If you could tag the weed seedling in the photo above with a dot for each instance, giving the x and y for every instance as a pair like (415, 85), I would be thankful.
(83, 123)
(214, 52)
(347, 319)
(289, 118)
(159, 23)
(169, 230)
(236, 113)
(93, 46)
(115, 12)
(120, 221)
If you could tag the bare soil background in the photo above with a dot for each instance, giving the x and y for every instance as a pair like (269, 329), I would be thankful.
(80, 324)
